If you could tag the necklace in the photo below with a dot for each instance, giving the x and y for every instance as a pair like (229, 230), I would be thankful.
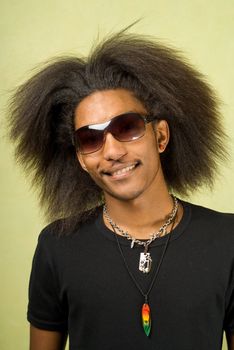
(145, 261)
(145, 311)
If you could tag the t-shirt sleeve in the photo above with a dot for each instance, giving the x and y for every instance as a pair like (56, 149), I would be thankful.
(47, 307)
(229, 315)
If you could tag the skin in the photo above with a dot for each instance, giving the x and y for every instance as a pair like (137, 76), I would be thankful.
(230, 341)
(137, 199)
(46, 340)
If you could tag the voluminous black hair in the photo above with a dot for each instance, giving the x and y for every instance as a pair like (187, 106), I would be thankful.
(42, 114)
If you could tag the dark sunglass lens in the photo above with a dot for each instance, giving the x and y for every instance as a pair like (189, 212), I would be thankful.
(89, 140)
(128, 127)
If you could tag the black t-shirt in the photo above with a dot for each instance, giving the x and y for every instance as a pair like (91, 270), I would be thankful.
(80, 285)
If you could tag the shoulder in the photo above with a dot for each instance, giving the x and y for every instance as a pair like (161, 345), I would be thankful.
(214, 225)
(207, 212)
(65, 232)
(58, 250)
(70, 226)
(204, 214)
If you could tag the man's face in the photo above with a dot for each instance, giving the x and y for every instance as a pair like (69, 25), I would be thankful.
(124, 170)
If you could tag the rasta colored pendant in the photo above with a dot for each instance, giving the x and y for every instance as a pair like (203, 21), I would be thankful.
(146, 319)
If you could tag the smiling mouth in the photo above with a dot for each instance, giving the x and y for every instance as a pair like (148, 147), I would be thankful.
(123, 171)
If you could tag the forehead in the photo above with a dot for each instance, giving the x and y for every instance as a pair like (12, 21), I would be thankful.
(101, 106)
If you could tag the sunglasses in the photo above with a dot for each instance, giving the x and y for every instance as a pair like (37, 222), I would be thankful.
(125, 127)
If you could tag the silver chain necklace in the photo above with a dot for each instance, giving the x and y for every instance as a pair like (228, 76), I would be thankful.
(145, 261)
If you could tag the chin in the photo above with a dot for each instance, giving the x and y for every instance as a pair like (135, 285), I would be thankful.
(125, 196)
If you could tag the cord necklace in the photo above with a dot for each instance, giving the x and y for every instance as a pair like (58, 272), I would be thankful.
(145, 311)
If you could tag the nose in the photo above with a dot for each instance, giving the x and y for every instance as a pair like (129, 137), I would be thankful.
(112, 148)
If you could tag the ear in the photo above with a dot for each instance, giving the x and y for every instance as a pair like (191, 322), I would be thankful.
(162, 134)
(81, 161)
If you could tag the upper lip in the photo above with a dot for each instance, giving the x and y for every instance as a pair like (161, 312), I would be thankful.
(115, 168)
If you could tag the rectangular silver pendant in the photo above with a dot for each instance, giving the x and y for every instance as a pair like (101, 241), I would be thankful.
(145, 262)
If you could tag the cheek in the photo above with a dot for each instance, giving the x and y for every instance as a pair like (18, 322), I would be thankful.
(81, 161)
(88, 163)
(150, 148)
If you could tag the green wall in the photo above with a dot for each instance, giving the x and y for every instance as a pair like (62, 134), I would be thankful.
(33, 31)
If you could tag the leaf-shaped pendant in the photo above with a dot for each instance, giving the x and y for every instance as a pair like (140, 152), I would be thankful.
(146, 319)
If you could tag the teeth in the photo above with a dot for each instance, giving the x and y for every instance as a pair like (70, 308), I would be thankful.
(124, 170)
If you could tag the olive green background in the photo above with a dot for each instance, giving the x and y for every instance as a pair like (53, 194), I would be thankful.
(33, 31)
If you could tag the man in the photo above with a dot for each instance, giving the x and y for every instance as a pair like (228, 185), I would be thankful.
(125, 264)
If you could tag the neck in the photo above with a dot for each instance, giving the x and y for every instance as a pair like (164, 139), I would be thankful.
(140, 217)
